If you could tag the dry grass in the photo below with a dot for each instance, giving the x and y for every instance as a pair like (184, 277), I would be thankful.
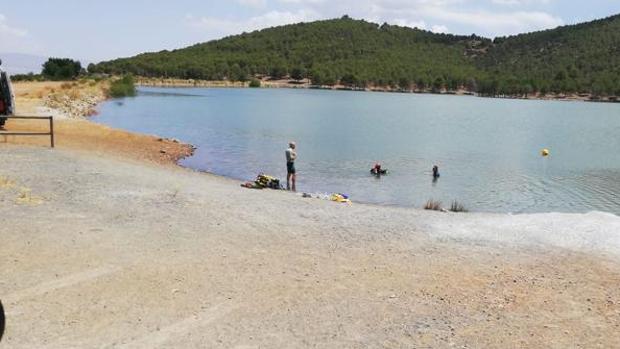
(74, 94)
(6, 183)
(433, 205)
(25, 197)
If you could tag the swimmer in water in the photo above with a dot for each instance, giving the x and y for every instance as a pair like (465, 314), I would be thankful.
(377, 168)
(436, 174)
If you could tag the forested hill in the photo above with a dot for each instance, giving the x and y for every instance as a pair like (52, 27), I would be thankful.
(577, 58)
(581, 58)
(356, 52)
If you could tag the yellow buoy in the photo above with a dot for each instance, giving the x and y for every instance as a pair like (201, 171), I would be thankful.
(545, 152)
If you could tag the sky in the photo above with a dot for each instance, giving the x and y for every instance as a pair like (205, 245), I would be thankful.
(98, 30)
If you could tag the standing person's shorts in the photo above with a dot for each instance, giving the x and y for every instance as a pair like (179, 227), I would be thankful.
(290, 167)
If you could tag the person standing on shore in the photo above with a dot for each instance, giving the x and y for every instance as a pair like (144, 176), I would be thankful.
(291, 176)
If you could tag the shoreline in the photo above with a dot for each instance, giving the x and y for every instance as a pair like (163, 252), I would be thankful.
(288, 84)
(166, 151)
(105, 251)
(223, 84)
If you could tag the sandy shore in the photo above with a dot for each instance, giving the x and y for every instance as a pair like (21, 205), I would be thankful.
(70, 107)
(111, 251)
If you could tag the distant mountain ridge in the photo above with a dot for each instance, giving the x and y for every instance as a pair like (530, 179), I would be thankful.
(582, 58)
(19, 63)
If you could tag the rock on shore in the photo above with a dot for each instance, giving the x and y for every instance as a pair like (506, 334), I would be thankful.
(74, 100)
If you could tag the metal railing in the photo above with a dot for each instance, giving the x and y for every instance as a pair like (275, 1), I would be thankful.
(26, 133)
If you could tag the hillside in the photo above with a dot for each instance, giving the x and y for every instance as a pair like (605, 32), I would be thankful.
(356, 52)
(580, 58)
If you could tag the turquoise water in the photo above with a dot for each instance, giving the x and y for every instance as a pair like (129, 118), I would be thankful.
(488, 150)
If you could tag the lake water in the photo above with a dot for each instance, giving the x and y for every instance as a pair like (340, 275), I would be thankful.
(488, 150)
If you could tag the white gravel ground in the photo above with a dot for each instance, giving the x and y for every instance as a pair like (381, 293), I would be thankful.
(104, 252)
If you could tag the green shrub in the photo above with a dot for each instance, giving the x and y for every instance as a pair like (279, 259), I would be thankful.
(61, 69)
(298, 73)
(123, 87)
(27, 77)
(255, 83)
(457, 207)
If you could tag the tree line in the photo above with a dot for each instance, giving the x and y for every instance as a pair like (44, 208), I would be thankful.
(580, 58)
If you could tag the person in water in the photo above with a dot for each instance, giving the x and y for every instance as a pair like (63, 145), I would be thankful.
(291, 173)
(436, 174)
(377, 168)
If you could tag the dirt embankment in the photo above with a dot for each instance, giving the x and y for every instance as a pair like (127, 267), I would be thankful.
(61, 99)
(71, 103)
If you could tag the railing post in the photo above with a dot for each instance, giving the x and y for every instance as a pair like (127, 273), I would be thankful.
(52, 131)
(25, 133)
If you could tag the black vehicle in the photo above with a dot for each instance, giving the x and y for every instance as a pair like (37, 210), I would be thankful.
(7, 101)
(2, 321)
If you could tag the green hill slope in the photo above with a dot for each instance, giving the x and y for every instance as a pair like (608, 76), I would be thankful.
(580, 58)
(356, 52)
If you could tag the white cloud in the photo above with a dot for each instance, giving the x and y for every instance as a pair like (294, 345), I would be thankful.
(461, 16)
(15, 39)
(218, 26)
(253, 3)
(503, 22)
(520, 2)
(305, 2)
(439, 29)
(5, 29)
(411, 24)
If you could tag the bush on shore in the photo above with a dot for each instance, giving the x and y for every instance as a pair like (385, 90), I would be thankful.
(255, 83)
(27, 77)
(457, 207)
(58, 69)
(123, 87)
